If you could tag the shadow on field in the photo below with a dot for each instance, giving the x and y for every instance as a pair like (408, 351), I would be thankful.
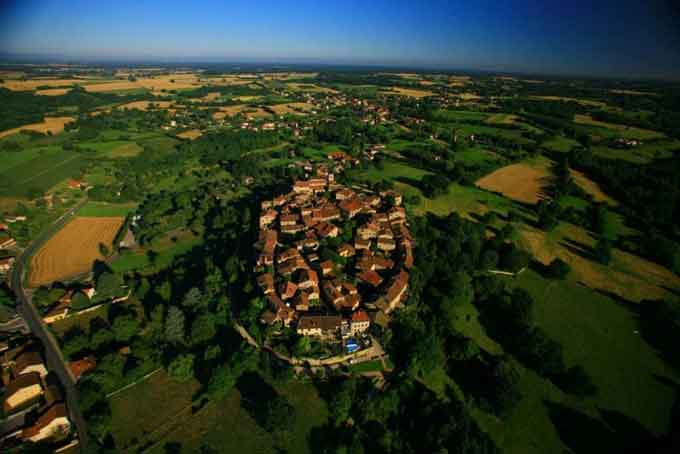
(580, 249)
(613, 432)
(255, 395)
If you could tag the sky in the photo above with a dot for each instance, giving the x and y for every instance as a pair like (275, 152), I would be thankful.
(621, 38)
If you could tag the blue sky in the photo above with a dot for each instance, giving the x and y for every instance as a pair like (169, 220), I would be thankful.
(623, 37)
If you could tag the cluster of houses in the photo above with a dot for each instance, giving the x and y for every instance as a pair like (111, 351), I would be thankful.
(33, 404)
(332, 258)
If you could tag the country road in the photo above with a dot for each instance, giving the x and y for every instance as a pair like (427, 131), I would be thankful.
(53, 357)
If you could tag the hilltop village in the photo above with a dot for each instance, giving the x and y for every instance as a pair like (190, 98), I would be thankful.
(332, 259)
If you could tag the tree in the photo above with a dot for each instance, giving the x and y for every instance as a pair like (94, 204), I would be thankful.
(603, 250)
(79, 301)
(192, 300)
(125, 327)
(174, 325)
(101, 338)
(108, 285)
(6, 297)
(181, 368)
(489, 260)
(513, 259)
(103, 249)
(558, 269)
(203, 328)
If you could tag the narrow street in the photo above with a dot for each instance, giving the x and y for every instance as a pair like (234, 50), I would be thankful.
(55, 361)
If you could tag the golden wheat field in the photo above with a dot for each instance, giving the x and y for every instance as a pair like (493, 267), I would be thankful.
(55, 125)
(73, 249)
(520, 182)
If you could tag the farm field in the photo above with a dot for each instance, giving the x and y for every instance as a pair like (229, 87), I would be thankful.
(521, 182)
(627, 371)
(295, 108)
(58, 259)
(628, 132)
(629, 276)
(410, 92)
(43, 171)
(53, 125)
(214, 426)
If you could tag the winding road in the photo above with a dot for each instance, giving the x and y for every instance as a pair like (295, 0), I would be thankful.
(55, 361)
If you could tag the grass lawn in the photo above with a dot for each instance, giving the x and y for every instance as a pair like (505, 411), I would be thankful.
(103, 209)
(475, 155)
(560, 144)
(138, 260)
(391, 170)
(374, 365)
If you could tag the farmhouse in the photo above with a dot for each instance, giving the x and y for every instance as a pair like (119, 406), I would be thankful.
(6, 241)
(6, 264)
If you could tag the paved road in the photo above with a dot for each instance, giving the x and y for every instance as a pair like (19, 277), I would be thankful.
(55, 362)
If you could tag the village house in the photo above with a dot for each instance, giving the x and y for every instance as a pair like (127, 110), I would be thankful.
(359, 322)
(319, 325)
(82, 366)
(24, 389)
(370, 277)
(53, 423)
(27, 362)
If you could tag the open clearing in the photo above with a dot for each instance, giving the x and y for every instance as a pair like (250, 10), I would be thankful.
(54, 125)
(521, 182)
(248, 111)
(144, 105)
(154, 84)
(411, 92)
(309, 87)
(583, 102)
(73, 249)
(295, 108)
(33, 84)
(53, 91)
(190, 134)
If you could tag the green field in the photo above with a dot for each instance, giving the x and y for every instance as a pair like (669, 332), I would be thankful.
(9, 159)
(42, 172)
(476, 155)
(162, 415)
(103, 209)
(458, 115)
